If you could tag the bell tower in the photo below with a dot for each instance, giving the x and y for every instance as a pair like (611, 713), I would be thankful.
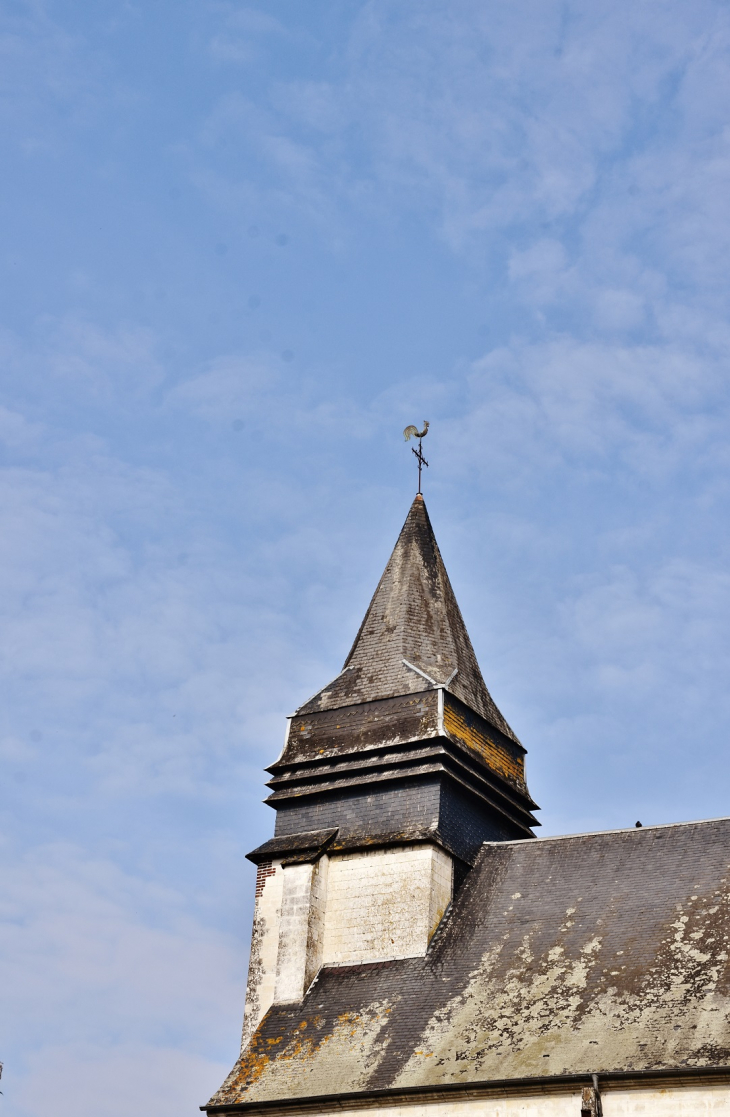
(390, 779)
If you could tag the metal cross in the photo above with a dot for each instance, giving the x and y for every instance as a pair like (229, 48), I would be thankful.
(421, 462)
(414, 432)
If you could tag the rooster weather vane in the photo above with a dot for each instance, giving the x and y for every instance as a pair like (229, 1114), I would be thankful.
(413, 432)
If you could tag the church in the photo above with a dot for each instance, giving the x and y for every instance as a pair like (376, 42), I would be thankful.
(418, 951)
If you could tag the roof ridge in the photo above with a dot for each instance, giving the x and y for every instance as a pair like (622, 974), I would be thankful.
(617, 830)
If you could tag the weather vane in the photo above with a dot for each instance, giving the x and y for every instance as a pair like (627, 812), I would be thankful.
(413, 432)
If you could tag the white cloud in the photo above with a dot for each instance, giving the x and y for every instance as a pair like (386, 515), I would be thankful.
(620, 309)
(561, 401)
(652, 631)
(542, 268)
(113, 1081)
(17, 433)
(118, 363)
(238, 40)
(585, 149)
(227, 390)
(129, 987)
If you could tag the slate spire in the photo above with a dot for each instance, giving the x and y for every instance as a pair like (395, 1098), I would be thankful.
(406, 744)
(413, 635)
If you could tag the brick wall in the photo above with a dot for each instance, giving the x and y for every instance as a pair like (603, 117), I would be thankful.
(265, 870)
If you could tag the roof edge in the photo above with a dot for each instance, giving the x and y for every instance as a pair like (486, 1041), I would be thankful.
(315, 1103)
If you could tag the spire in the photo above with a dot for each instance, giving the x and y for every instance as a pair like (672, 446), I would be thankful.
(413, 635)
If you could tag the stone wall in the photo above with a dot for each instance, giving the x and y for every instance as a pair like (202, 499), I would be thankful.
(385, 903)
(264, 946)
(349, 908)
(301, 930)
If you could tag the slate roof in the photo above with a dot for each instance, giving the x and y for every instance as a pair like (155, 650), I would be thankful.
(600, 952)
(413, 616)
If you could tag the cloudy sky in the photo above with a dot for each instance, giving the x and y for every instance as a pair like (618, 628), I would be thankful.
(243, 245)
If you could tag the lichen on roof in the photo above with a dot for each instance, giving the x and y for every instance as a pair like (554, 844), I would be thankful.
(593, 953)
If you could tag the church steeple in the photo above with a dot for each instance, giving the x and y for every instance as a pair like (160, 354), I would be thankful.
(391, 779)
(413, 632)
(407, 740)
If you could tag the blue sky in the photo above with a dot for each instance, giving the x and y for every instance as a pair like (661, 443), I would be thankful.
(244, 245)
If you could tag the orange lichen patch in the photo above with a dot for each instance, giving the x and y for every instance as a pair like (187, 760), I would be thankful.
(503, 758)
(248, 1069)
(311, 1053)
(252, 1065)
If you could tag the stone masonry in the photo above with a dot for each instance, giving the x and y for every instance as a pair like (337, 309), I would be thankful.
(385, 903)
(369, 906)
